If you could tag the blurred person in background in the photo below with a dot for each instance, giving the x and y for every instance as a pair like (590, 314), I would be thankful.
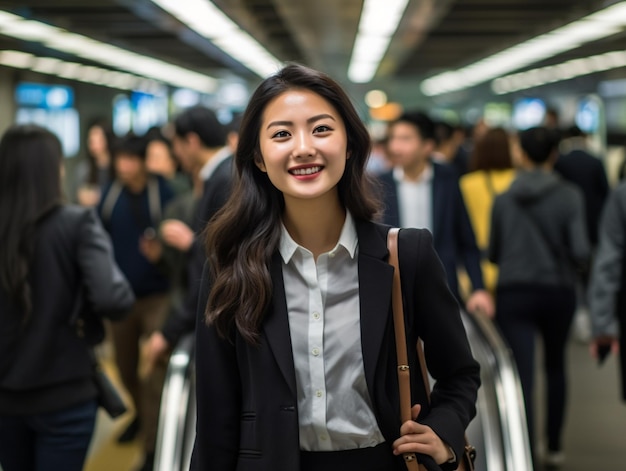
(200, 138)
(160, 160)
(578, 165)
(491, 173)
(607, 286)
(131, 210)
(538, 240)
(448, 142)
(422, 193)
(98, 171)
(56, 261)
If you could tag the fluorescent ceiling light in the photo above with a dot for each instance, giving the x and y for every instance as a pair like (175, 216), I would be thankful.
(61, 40)
(379, 21)
(559, 72)
(598, 25)
(208, 21)
(79, 72)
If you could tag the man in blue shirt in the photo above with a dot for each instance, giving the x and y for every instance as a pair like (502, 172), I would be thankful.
(131, 209)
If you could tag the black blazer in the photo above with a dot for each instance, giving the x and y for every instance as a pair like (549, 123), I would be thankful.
(452, 230)
(246, 395)
(45, 366)
(586, 171)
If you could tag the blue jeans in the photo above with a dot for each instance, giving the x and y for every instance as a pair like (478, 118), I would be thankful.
(47, 442)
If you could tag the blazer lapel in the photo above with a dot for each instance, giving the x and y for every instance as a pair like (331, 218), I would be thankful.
(375, 283)
(276, 326)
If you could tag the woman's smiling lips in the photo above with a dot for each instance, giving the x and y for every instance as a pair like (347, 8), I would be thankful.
(306, 172)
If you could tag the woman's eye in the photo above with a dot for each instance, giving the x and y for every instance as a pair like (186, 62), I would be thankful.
(322, 128)
(280, 134)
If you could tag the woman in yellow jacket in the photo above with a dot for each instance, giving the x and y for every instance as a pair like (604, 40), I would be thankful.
(491, 173)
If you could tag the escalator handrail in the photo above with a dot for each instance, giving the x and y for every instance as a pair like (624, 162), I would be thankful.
(174, 407)
(509, 396)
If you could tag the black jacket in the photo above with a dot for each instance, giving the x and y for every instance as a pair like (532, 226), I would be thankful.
(587, 172)
(214, 195)
(246, 395)
(45, 366)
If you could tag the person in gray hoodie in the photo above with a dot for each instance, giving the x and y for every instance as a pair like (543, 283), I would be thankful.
(538, 240)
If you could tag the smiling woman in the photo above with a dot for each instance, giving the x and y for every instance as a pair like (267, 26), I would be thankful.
(297, 325)
(303, 148)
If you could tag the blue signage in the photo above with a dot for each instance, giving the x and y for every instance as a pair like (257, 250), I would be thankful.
(50, 97)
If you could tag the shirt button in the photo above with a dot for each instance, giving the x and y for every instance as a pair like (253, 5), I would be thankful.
(316, 315)
(318, 393)
(324, 437)
(315, 351)
(331, 254)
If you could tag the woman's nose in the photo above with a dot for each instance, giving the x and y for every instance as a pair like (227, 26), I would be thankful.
(303, 145)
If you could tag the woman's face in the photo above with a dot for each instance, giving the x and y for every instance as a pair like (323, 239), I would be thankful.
(303, 145)
(159, 159)
(97, 142)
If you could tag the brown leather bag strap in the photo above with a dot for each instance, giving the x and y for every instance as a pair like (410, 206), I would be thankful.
(404, 377)
(465, 462)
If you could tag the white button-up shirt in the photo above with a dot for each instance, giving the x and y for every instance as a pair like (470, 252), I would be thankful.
(415, 199)
(209, 168)
(334, 407)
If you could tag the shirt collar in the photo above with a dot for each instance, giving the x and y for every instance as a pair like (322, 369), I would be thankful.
(348, 240)
(208, 169)
(425, 177)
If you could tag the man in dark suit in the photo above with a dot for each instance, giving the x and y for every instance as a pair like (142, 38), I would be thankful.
(579, 166)
(199, 138)
(421, 193)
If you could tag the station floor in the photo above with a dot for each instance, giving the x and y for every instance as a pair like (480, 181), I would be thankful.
(594, 436)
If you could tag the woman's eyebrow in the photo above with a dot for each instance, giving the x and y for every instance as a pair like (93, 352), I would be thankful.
(310, 120)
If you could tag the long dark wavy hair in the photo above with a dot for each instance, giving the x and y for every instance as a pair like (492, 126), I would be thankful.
(30, 187)
(244, 235)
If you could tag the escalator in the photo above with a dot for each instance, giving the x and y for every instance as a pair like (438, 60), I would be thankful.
(498, 431)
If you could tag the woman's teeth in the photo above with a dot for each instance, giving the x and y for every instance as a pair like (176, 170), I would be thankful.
(306, 171)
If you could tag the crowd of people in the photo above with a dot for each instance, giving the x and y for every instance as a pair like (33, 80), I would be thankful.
(266, 237)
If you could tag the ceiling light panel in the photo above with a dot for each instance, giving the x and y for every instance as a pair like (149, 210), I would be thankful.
(379, 21)
(556, 73)
(61, 40)
(79, 72)
(207, 20)
(596, 26)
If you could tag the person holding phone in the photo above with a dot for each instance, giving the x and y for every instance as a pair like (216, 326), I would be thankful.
(607, 288)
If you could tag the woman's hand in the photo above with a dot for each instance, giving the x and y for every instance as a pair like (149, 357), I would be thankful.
(419, 438)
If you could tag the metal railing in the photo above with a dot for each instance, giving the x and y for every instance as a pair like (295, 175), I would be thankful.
(177, 417)
(499, 430)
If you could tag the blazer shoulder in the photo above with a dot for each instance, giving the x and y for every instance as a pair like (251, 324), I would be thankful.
(413, 241)
(445, 172)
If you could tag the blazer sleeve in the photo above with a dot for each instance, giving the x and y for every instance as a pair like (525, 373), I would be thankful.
(606, 275)
(466, 241)
(107, 292)
(218, 395)
(437, 321)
